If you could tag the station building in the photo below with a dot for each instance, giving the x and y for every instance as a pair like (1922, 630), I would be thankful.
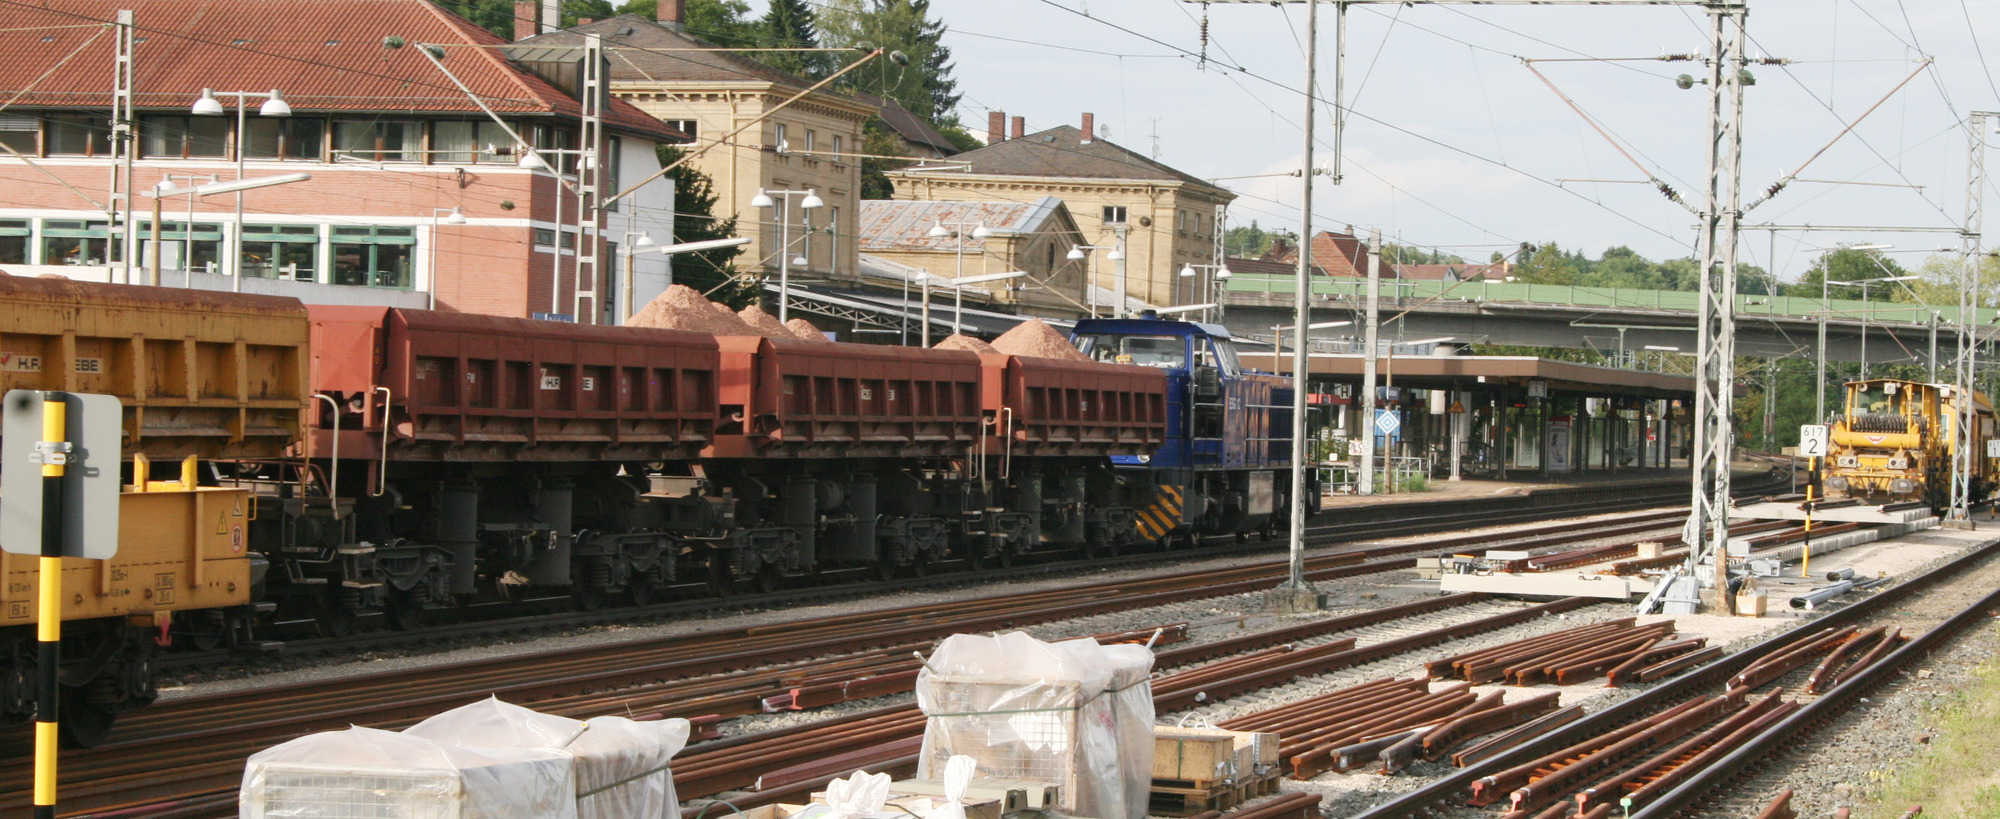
(418, 194)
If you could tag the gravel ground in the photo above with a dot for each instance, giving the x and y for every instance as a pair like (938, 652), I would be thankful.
(1837, 766)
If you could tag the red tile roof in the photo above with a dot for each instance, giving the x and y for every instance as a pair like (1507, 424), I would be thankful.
(324, 55)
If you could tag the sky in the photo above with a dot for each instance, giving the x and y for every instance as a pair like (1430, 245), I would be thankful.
(1455, 143)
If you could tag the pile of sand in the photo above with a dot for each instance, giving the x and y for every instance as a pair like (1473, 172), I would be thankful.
(762, 324)
(966, 343)
(1036, 339)
(805, 330)
(682, 308)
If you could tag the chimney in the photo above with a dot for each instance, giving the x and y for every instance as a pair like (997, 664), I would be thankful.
(1089, 127)
(584, 21)
(672, 13)
(1020, 127)
(551, 16)
(525, 24)
(996, 127)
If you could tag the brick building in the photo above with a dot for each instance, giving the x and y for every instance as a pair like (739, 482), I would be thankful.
(417, 193)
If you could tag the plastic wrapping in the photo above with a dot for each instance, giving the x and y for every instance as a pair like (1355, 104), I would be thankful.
(366, 772)
(621, 766)
(1074, 713)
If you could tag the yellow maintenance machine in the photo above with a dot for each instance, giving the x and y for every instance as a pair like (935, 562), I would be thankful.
(1893, 442)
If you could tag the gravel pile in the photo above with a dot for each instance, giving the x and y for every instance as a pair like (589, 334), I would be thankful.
(763, 324)
(805, 330)
(1036, 339)
(682, 308)
(966, 343)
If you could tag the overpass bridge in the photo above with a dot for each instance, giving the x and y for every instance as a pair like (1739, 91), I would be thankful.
(1603, 318)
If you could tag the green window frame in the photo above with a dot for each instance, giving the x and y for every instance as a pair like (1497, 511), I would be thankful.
(202, 251)
(374, 257)
(78, 242)
(15, 234)
(288, 252)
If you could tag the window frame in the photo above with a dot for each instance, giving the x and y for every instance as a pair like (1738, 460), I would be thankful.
(374, 238)
(1116, 215)
(407, 154)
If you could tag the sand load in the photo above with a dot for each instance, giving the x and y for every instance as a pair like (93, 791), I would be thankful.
(966, 343)
(682, 308)
(805, 330)
(763, 324)
(1036, 339)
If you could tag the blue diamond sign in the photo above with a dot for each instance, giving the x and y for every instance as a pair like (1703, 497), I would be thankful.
(1386, 422)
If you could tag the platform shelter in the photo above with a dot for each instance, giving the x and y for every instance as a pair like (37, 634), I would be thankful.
(1500, 415)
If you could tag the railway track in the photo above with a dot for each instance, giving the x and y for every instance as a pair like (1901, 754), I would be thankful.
(202, 741)
(1692, 768)
(553, 615)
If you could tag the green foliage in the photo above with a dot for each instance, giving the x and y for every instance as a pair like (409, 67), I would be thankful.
(713, 272)
(496, 16)
(1940, 283)
(1849, 265)
(790, 24)
(924, 85)
(960, 138)
(1622, 267)
(1249, 242)
(879, 141)
(1393, 253)
(1414, 483)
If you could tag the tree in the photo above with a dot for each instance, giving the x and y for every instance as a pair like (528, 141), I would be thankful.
(1250, 242)
(879, 143)
(921, 82)
(1847, 265)
(713, 271)
(1545, 264)
(790, 24)
(1938, 288)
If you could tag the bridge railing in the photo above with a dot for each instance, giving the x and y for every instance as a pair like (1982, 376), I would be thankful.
(1246, 286)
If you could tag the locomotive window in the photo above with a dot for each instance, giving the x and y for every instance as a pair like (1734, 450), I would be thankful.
(1874, 400)
(1225, 351)
(1164, 352)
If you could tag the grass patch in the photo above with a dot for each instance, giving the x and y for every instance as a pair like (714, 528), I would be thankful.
(1958, 774)
(1414, 483)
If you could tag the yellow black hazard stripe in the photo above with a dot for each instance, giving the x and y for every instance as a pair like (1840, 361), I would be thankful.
(1163, 515)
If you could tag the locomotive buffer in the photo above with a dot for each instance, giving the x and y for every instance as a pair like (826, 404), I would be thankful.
(73, 441)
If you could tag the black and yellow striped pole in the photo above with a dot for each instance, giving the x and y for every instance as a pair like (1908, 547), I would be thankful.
(48, 627)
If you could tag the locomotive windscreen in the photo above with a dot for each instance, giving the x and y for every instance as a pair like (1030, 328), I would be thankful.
(1164, 352)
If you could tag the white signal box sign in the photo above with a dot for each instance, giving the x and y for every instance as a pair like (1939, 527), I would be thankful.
(1812, 440)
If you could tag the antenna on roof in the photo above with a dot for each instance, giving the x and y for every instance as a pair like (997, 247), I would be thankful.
(1156, 139)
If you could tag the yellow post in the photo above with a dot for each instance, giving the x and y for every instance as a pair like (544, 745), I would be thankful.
(1805, 552)
(48, 626)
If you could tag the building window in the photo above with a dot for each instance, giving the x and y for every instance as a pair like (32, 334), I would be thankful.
(286, 138)
(551, 138)
(77, 242)
(181, 137)
(464, 142)
(686, 126)
(180, 251)
(378, 140)
(780, 140)
(289, 252)
(545, 237)
(74, 136)
(569, 241)
(22, 134)
(1114, 214)
(373, 256)
(14, 239)
(837, 158)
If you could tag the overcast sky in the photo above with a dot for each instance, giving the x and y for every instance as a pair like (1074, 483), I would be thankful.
(1455, 143)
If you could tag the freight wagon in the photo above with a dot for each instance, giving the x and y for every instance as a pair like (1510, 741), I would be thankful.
(335, 463)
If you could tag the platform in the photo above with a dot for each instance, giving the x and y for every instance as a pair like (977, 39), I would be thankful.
(1793, 510)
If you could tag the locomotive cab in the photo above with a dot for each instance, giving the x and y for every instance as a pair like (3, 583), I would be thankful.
(1225, 465)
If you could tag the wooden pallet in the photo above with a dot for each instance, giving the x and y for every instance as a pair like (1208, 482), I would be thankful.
(1182, 797)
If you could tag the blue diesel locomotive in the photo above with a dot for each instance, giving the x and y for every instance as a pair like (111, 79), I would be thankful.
(1226, 465)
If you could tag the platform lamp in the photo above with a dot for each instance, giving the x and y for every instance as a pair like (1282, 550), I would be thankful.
(208, 106)
(1864, 283)
(166, 188)
(959, 284)
(1219, 274)
(1077, 253)
(1826, 306)
(810, 201)
(633, 247)
(957, 232)
(452, 216)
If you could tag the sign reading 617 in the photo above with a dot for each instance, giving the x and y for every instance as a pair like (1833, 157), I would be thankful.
(1812, 440)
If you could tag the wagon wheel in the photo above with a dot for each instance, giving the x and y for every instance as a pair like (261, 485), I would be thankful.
(203, 630)
(84, 724)
(406, 609)
(920, 563)
(768, 580)
(334, 622)
(639, 590)
(720, 582)
(588, 598)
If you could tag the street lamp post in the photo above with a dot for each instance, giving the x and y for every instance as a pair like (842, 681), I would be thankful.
(957, 233)
(1077, 252)
(810, 201)
(236, 186)
(452, 216)
(632, 249)
(1218, 273)
(208, 106)
(160, 192)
